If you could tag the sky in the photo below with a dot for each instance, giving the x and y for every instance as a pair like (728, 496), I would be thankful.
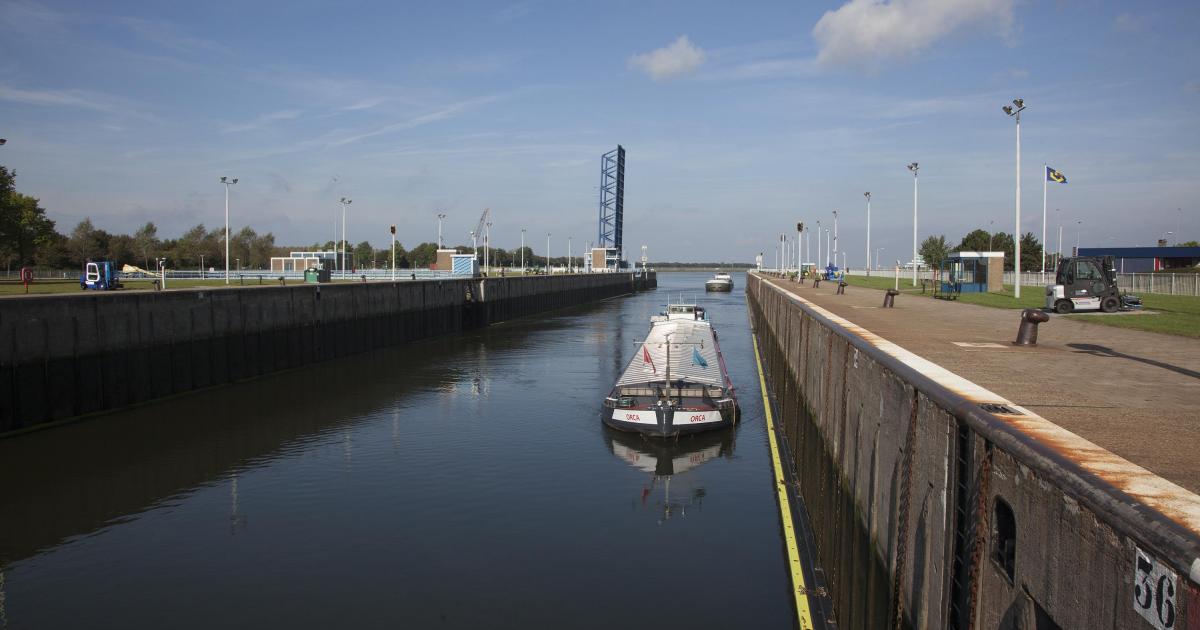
(739, 119)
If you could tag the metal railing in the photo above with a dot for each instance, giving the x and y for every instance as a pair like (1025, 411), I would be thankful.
(1187, 284)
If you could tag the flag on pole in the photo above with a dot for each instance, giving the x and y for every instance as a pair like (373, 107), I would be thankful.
(697, 359)
(1055, 176)
(647, 362)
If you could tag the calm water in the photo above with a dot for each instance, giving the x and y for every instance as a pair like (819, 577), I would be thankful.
(460, 482)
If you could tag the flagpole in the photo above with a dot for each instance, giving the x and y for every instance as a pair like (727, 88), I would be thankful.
(1045, 185)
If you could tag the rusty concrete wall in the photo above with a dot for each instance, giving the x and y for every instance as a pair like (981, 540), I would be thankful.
(67, 355)
(910, 486)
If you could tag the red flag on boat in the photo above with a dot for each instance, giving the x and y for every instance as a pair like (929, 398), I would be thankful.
(647, 361)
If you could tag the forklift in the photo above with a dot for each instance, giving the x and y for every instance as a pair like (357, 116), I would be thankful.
(1087, 283)
(100, 276)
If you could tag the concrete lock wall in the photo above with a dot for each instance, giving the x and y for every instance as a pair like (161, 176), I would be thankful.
(67, 355)
(929, 512)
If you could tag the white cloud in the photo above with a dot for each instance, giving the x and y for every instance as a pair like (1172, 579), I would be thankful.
(680, 58)
(1129, 23)
(62, 98)
(263, 121)
(868, 32)
(444, 113)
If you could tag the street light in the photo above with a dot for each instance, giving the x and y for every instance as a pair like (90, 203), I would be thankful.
(345, 202)
(570, 262)
(487, 246)
(877, 250)
(914, 167)
(547, 253)
(1165, 235)
(227, 182)
(440, 217)
(522, 251)
(835, 249)
(819, 232)
(393, 231)
(1078, 229)
(3, 142)
(828, 249)
(868, 196)
(1014, 111)
(991, 233)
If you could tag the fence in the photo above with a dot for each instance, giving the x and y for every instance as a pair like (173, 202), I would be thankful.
(1161, 283)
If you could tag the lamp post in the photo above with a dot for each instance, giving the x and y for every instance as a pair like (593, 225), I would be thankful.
(877, 250)
(835, 243)
(915, 168)
(799, 248)
(201, 266)
(440, 217)
(227, 181)
(868, 196)
(344, 202)
(522, 250)
(547, 253)
(570, 261)
(1078, 229)
(1058, 217)
(818, 260)
(393, 230)
(991, 233)
(828, 249)
(487, 246)
(1014, 111)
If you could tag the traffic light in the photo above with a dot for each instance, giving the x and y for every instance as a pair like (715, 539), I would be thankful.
(393, 229)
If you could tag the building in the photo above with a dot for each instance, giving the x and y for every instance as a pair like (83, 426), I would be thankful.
(1147, 259)
(300, 261)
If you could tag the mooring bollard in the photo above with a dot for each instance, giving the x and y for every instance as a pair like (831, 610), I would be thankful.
(889, 299)
(1027, 333)
(841, 288)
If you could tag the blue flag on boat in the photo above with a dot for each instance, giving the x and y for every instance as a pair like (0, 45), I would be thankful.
(697, 359)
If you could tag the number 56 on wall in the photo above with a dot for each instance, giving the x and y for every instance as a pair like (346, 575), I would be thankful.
(1154, 591)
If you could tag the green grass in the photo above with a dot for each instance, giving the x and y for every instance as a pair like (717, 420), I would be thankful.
(1172, 314)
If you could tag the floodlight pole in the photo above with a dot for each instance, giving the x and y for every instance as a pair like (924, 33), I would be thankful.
(818, 260)
(345, 202)
(835, 243)
(868, 196)
(227, 181)
(1045, 185)
(1015, 112)
(393, 253)
(915, 168)
(522, 251)
(440, 217)
(547, 253)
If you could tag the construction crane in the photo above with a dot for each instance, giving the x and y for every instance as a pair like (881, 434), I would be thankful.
(478, 231)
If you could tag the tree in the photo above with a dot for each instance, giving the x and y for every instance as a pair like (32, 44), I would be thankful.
(363, 255)
(1031, 253)
(976, 241)
(1003, 242)
(87, 243)
(146, 243)
(24, 228)
(934, 251)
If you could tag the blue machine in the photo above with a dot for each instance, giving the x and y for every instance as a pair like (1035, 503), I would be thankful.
(831, 272)
(100, 276)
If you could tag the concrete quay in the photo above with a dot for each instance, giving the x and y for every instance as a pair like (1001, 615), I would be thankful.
(1134, 393)
(66, 355)
(942, 488)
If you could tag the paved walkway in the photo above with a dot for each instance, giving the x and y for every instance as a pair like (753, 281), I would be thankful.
(1134, 393)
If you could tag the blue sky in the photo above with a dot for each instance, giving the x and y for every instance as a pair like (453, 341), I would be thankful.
(739, 119)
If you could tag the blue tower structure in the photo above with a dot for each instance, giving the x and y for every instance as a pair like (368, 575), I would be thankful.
(612, 205)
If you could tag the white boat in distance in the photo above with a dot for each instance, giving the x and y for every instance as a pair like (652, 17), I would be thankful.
(722, 282)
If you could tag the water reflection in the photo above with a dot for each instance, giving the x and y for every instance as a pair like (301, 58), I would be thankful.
(663, 461)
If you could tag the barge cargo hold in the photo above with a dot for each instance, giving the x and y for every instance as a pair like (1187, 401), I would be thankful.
(676, 382)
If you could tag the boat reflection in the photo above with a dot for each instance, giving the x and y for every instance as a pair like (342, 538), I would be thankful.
(663, 460)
